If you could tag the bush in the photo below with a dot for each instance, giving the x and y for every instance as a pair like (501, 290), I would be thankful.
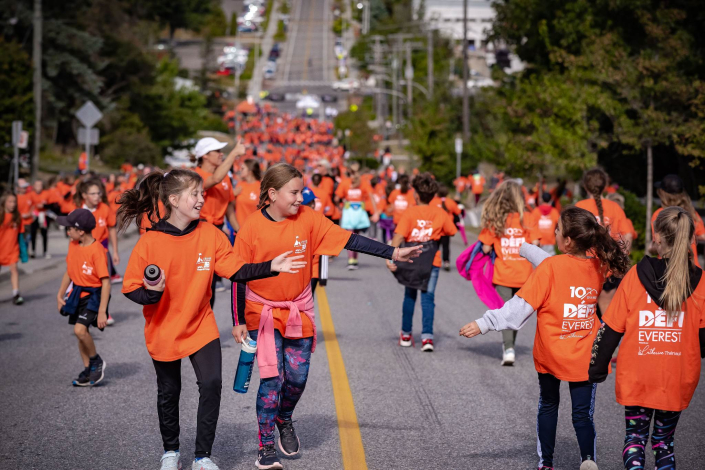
(127, 145)
(636, 212)
(233, 24)
(280, 36)
(366, 162)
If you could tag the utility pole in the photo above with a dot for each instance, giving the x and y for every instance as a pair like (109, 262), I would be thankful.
(378, 78)
(429, 60)
(409, 77)
(466, 100)
(37, 59)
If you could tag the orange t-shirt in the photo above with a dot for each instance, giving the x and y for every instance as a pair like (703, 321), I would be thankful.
(400, 202)
(182, 322)
(460, 184)
(9, 243)
(25, 204)
(659, 359)
(217, 199)
(510, 269)
(324, 204)
(40, 200)
(346, 192)
(307, 233)
(87, 265)
(247, 201)
(477, 182)
(104, 219)
(424, 223)
(563, 290)
(451, 207)
(546, 224)
(699, 230)
(614, 215)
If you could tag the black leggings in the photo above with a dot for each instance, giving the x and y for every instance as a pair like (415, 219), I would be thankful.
(45, 235)
(445, 248)
(207, 363)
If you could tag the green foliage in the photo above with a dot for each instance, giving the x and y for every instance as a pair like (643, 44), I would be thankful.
(360, 141)
(215, 24)
(175, 14)
(128, 145)
(280, 35)
(636, 212)
(284, 7)
(366, 162)
(16, 97)
(233, 24)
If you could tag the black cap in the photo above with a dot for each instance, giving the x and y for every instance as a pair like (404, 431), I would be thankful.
(81, 219)
(672, 184)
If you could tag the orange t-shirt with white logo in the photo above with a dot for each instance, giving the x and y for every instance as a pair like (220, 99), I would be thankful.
(510, 269)
(247, 201)
(477, 183)
(400, 202)
(699, 231)
(324, 204)
(9, 242)
(182, 322)
(425, 223)
(87, 265)
(563, 290)
(614, 215)
(104, 219)
(346, 191)
(546, 224)
(659, 358)
(307, 233)
(217, 198)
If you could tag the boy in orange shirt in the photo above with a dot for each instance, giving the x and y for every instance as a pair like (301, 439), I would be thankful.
(87, 303)
(424, 224)
(563, 290)
(658, 313)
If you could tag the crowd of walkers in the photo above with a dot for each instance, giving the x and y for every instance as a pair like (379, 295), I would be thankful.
(286, 201)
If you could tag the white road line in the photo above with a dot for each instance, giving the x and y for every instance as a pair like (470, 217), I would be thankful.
(326, 38)
(295, 19)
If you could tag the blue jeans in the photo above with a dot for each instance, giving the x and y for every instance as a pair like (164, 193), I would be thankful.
(428, 307)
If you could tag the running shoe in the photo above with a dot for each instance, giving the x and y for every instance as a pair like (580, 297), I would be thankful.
(267, 458)
(446, 266)
(219, 286)
(116, 279)
(406, 340)
(508, 357)
(288, 440)
(588, 465)
(97, 372)
(110, 321)
(170, 461)
(82, 380)
(17, 300)
(427, 345)
(204, 464)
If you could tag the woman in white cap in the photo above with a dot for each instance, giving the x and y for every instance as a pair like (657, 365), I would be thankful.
(220, 199)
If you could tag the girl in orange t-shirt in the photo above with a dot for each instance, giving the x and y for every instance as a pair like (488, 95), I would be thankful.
(401, 198)
(248, 189)
(11, 227)
(658, 314)
(179, 321)
(563, 290)
(279, 313)
(505, 226)
(353, 193)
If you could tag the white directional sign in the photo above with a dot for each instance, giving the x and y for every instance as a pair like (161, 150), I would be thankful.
(93, 136)
(89, 114)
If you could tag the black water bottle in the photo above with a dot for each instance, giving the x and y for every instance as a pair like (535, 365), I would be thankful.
(152, 275)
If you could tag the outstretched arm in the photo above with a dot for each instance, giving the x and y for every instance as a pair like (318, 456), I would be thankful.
(512, 316)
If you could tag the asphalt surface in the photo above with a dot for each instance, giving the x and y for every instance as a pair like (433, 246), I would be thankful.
(454, 408)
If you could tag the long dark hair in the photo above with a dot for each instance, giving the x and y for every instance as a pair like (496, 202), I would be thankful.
(594, 182)
(254, 168)
(16, 218)
(588, 236)
(145, 198)
(403, 181)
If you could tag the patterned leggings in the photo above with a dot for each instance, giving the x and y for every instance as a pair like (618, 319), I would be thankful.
(277, 396)
(638, 422)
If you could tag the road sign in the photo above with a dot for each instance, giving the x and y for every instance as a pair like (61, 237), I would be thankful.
(93, 136)
(89, 114)
(458, 145)
(16, 131)
(23, 142)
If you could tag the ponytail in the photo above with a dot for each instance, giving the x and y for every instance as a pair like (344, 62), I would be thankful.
(594, 182)
(676, 228)
(404, 184)
(154, 188)
(588, 236)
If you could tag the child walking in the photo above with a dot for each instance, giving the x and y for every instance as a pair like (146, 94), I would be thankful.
(563, 291)
(11, 229)
(279, 314)
(87, 303)
(179, 321)
(505, 226)
(658, 313)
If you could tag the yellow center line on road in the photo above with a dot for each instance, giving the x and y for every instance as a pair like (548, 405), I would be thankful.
(351, 447)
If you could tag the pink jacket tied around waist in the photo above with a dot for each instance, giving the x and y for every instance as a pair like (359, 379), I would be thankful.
(478, 268)
(266, 346)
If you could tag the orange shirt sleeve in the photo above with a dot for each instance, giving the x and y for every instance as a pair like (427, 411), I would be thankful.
(404, 226)
(227, 262)
(449, 227)
(100, 261)
(134, 272)
(487, 237)
(537, 287)
(328, 238)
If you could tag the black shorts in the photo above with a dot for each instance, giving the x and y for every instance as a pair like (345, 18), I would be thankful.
(83, 316)
(611, 283)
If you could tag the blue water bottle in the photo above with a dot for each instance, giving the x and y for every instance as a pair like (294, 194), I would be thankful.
(245, 365)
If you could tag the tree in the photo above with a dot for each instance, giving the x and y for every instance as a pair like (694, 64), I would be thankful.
(360, 140)
(16, 102)
(175, 14)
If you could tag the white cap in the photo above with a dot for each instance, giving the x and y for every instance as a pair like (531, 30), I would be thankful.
(206, 145)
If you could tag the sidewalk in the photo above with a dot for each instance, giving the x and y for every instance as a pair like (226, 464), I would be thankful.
(255, 86)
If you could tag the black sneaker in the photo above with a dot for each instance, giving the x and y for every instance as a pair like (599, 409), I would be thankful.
(267, 458)
(17, 300)
(97, 372)
(82, 380)
(288, 440)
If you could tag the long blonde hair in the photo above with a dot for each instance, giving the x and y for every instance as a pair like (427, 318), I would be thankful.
(678, 199)
(676, 228)
(506, 199)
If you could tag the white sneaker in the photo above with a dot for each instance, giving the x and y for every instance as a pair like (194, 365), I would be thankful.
(588, 465)
(204, 464)
(110, 321)
(170, 461)
(508, 357)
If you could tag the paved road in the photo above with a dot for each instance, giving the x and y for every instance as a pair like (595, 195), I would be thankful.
(454, 408)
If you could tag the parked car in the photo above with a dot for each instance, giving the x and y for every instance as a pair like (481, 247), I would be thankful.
(348, 84)
(327, 98)
(276, 97)
(275, 51)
